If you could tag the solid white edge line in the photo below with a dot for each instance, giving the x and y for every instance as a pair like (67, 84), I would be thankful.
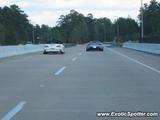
(136, 61)
(74, 59)
(14, 111)
(60, 70)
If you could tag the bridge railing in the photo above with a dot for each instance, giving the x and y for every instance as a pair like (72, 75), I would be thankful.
(144, 47)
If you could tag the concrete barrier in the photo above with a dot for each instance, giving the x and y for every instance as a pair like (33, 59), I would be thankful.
(144, 47)
(6, 51)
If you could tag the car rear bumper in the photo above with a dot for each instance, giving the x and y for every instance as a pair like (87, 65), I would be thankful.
(52, 50)
(97, 49)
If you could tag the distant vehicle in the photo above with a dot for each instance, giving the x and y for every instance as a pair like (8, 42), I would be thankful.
(94, 45)
(54, 47)
(108, 44)
(29, 43)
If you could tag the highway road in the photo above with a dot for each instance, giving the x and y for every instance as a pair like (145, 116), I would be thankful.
(78, 84)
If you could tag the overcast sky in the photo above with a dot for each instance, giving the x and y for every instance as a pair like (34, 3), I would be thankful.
(48, 11)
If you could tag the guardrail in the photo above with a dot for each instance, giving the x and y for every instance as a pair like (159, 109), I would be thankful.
(6, 51)
(144, 47)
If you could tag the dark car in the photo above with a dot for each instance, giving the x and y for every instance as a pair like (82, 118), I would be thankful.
(94, 45)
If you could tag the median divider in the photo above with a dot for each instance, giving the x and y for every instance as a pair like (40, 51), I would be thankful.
(7, 51)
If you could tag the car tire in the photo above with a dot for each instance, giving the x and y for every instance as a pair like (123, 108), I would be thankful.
(101, 50)
(61, 52)
(87, 50)
(44, 52)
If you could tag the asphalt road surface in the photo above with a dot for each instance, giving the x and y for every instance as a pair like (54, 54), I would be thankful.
(78, 84)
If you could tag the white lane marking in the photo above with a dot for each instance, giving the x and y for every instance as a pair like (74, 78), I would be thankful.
(14, 111)
(74, 59)
(60, 70)
(136, 61)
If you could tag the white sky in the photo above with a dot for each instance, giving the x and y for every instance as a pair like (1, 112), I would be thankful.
(48, 11)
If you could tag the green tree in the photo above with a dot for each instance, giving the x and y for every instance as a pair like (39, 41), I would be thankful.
(151, 18)
(104, 29)
(16, 25)
(73, 27)
(91, 27)
(128, 29)
(45, 34)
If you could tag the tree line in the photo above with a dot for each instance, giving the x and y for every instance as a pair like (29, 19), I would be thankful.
(14, 25)
(15, 28)
(77, 28)
(151, 20)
